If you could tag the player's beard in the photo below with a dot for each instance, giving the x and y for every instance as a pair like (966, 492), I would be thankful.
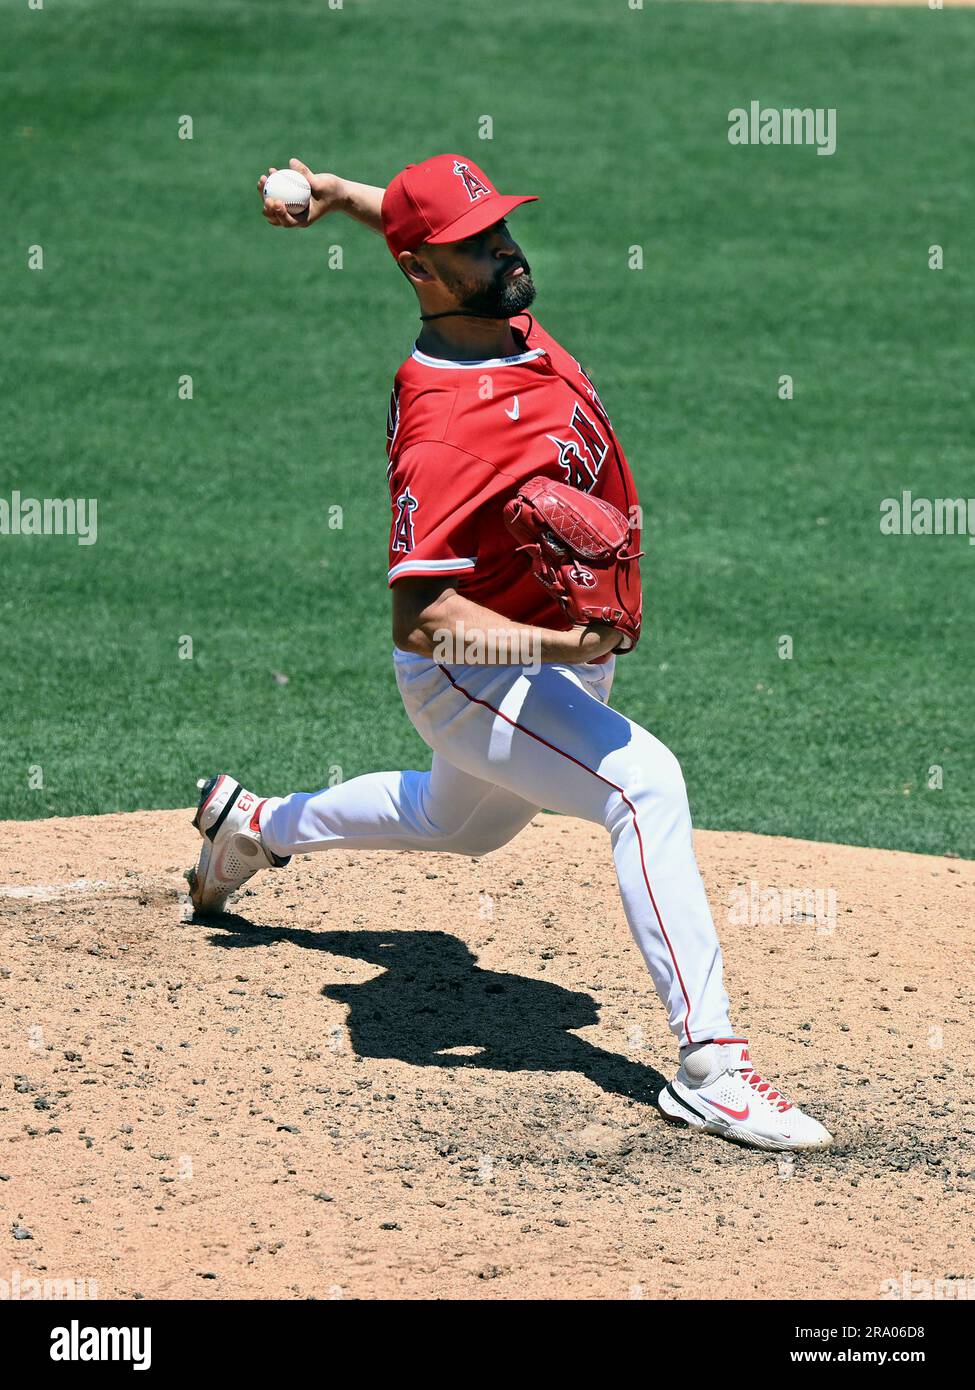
(500, 298)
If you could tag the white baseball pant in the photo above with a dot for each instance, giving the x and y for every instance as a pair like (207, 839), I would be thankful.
(508, 741)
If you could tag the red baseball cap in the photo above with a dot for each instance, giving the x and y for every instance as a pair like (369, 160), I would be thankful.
(446, 198)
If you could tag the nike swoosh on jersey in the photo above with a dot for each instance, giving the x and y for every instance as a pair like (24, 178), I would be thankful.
(513, 414)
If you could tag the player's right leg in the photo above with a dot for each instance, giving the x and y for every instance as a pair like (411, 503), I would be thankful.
(444, 810)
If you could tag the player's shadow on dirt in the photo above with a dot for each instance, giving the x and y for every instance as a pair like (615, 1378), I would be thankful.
(432, 996)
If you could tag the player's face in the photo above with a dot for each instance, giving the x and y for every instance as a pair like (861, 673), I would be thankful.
(486, 273)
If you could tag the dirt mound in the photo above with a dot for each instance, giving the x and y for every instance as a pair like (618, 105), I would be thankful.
(419, 1076)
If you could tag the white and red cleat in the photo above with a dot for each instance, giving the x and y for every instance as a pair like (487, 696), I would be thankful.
(233, 851)
(719, 1091)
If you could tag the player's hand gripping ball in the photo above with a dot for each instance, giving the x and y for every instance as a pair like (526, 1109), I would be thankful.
(288, 187)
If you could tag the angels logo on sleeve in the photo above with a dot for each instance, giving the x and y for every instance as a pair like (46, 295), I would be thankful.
(406, 505)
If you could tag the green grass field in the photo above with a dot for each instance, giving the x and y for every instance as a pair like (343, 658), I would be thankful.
(762, 514)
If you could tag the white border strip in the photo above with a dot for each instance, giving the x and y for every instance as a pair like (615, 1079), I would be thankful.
(430, 566)
(446, 365)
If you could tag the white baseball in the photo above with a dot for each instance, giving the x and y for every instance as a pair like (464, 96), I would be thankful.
(292, 188)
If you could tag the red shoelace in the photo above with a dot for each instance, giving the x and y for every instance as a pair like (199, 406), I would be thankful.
(764, 1088)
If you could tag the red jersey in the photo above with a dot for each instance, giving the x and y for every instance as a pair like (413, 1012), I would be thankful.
(463, 436)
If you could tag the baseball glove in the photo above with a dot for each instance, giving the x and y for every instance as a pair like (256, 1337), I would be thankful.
(577, 546)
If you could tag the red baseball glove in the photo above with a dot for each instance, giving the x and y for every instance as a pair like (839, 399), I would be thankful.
(577, 545)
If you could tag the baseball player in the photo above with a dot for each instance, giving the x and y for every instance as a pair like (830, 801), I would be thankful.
(499, 674)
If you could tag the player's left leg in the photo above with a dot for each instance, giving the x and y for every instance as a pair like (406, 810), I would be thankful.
(549, 734)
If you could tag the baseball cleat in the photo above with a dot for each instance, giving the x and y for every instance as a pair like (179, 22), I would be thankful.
(233, 851)
(718, 1090)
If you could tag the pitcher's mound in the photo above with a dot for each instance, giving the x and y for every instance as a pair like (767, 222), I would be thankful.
(430, 1077)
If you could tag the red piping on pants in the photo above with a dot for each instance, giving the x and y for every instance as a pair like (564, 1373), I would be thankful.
(626, 801)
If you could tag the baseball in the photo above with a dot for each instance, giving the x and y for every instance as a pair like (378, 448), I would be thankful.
(292, 188)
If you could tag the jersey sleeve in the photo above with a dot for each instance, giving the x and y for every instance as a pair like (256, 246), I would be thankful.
(442, 499)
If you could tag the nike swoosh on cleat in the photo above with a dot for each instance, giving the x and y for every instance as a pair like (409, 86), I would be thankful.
(735, 1114)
